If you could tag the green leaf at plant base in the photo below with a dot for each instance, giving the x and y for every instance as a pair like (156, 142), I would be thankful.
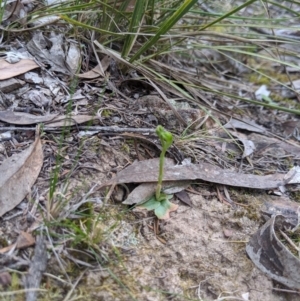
(161, 208)
(164, 209)
(151, 204)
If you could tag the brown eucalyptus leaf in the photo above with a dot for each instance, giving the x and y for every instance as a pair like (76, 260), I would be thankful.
(271, 256)
(18, 174)
(289, 127)
(91, 74)
(97, 71)
(25, 240)
(269, 145)
(141, 194)
(184, 197)
(21, 118)
(147, 171)
(145, 191)
(8, 70)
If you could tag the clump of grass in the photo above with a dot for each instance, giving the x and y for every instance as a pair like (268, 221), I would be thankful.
(140, 35)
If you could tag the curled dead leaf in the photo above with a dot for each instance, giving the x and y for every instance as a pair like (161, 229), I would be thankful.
(271, 256)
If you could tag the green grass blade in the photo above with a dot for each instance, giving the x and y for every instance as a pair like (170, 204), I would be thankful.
(285, 8)
(86, 26)
(167, 25)
(134, 26)
(151, 6)
(225, 16)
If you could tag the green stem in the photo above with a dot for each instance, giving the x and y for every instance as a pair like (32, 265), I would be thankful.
(160, 174)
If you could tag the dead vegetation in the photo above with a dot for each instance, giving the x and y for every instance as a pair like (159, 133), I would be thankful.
(83, 85)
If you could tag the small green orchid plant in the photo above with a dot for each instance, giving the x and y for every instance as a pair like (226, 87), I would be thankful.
(160, 201)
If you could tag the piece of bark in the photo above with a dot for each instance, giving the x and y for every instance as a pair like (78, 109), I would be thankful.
(37, 267)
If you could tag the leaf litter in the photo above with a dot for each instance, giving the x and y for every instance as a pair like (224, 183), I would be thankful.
(198, 249)
(51, 120)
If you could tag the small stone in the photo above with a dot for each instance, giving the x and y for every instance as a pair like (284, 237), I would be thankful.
(227, 232)
(5, 279)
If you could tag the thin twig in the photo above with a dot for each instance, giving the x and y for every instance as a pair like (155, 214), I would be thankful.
(73, 287)
(292, 244)
(285, 290)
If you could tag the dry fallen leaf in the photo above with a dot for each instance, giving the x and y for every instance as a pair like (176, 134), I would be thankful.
(97, 71)
(51, 120)
(8, 70)
(18, 174)
(184, 197)
(145, 191)
(147, 171)
(248, 125)
(275, 146)
(289, 127)
(14, 10)
(274, 205)
(38, 97)
(24, 240)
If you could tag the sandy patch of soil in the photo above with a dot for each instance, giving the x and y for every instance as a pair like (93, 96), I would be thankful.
(204, 257)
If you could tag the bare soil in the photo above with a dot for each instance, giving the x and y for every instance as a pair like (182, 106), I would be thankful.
(127, 254)
(202, 256)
